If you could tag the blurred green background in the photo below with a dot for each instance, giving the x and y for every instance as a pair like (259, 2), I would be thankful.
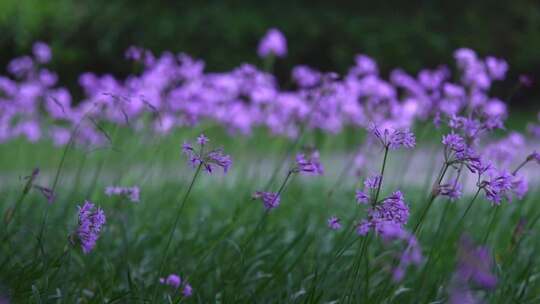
(93, 35)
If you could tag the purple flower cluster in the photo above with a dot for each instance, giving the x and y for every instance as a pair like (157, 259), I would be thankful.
(453, 190)
(175, 282)
(174, 90)
(272, 44)
(310, 164)
(270, 200)
(133, 193)
(392, 138)
(412, 254)
(474, 267)
(334, 223)
(371, 184)
(207, 159)
(91, 221)
(391, 211)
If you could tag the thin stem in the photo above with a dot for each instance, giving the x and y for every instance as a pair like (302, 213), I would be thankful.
(176, 220)
(432, 197)
(520, 166)
(491, 223)
(382, 174)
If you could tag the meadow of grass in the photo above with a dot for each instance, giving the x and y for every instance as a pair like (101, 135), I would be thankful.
(226, 246)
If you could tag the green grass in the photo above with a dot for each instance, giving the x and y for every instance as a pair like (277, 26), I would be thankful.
(225, 245)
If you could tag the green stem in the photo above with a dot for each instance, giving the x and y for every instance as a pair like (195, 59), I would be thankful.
(491, 223)
(171, 234)
(382, 174)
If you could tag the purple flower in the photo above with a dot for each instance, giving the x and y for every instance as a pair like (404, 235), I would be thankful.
(305, 76)
(47, 193)
(134, 53)
(202, 140)
(133, 193)
(187, 291)
(217, 158)
(363, 227)
(392, 212)
(535, 156)
(172, 280)
(42, 52)
(496, 67)
(334, 223)
(454, 142)
(411, 255)
(361, 197)
(453, 190)
(474, 265)
(525, 80)
(91, 221)
(520, 188)
(373, 182)
(208, 159)
(393, 138)
(270, 200)
(310, 165)
(497, 185)
(273, 43)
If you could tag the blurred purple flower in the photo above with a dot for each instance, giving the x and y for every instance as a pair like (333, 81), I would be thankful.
(474, 265)
(187, 291)
(48, 193)
(452, 190)
(133, 193)
(202, 140)
(91, 221)
(373, 182)
(172, 280)
(42, 52)
(334, 223)
(273, 43)
(309, 165)
(361, 197)
(270, 200)
(496, 67)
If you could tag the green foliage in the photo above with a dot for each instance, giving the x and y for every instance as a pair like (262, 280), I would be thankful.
(225, 246)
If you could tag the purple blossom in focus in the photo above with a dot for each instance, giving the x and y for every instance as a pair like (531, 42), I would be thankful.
(391, 211)
(270, 200)
(91, 221)
(392, 138)
(334, 223)
(208, 160)
(497, 186)
(273, 43)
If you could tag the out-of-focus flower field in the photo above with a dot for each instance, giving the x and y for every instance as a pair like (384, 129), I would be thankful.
(178, 184)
